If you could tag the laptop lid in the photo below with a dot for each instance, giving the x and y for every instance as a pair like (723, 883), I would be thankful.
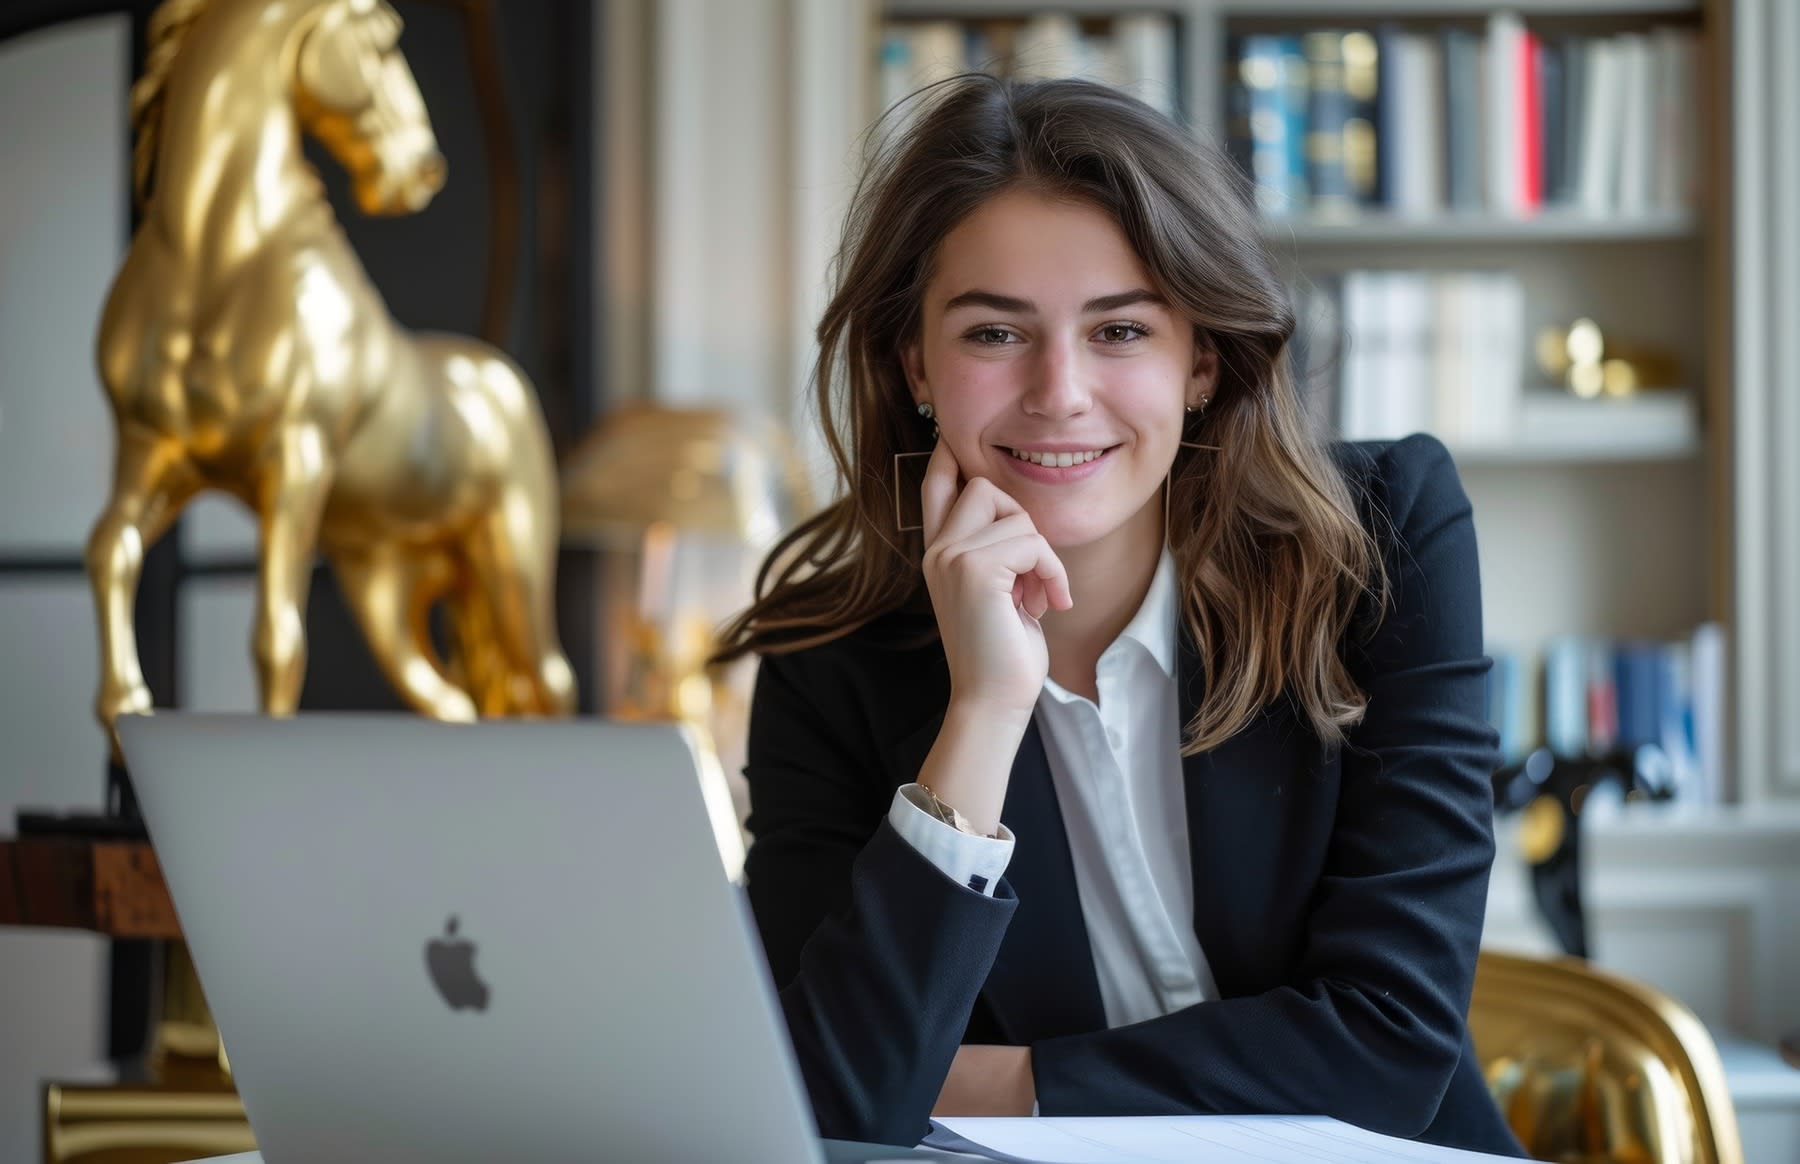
(433, 942)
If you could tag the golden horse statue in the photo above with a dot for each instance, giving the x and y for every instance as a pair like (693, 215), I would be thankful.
(244, 349)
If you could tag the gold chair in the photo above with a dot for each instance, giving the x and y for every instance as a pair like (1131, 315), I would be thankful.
(1589, 1067)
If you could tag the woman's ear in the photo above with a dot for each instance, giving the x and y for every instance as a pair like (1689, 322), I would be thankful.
(1205, 375)
(912, 362)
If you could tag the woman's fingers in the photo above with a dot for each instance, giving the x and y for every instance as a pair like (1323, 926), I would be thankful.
(980, 504)
(1032, 562)
(938, 492)
(1018, 525)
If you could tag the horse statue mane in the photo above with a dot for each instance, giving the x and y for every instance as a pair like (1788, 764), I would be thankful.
(244, 349)
(168, 25)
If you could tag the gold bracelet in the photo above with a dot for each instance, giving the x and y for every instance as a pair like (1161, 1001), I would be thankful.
(950, 816)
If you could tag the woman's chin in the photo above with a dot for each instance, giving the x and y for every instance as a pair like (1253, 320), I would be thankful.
(1071, 531)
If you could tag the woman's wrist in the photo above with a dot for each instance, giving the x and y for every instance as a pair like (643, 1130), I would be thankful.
(987, 715)
(970, 763)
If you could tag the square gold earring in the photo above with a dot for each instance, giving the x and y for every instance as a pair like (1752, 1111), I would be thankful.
(909, 488)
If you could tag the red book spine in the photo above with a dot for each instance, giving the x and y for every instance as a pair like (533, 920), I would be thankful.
(1530, 124)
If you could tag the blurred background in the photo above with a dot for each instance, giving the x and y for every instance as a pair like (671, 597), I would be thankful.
(1562, 236)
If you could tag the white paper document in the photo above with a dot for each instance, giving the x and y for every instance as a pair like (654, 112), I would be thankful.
(1188, 1139)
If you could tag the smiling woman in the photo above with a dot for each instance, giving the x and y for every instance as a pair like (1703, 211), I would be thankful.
(1149, 774)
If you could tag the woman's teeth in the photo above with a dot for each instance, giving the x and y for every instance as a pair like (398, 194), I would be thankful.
(1058, 460)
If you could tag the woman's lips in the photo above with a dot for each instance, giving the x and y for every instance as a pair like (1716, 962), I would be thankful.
(1058, 474)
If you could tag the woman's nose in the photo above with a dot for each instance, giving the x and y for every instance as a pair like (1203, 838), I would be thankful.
(1058, 385)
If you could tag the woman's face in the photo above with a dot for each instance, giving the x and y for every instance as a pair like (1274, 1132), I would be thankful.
(1055, 369)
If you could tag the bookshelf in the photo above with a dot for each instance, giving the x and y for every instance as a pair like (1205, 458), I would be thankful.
(1604, 520)
(1429, 230)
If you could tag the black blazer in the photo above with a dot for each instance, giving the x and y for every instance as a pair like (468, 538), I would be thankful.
(1338, 892)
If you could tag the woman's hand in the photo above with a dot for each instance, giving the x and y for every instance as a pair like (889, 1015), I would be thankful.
(991, 576)
(988, 1081)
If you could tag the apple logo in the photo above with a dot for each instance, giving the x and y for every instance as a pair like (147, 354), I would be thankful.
(451, 962)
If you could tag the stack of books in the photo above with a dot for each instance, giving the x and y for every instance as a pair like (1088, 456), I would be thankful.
(1500, 120)
(1381, 354)
(1388, 353)
(1660, 703)
(1135, 52)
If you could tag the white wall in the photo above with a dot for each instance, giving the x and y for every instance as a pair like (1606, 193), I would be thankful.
(63, 189)
(752, 110)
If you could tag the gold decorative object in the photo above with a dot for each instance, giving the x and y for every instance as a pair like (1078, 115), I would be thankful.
(688, 499)
(1587, 1066)
(1581, 359)
(243, 348)
(1541, 828)
(141, 1124)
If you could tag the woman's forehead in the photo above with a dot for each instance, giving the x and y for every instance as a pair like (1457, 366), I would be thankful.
(1052, 253)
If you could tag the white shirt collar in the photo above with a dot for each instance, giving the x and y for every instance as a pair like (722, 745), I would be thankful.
(1153, 626)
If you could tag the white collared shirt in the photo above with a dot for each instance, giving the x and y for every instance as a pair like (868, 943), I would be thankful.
(1116, 767)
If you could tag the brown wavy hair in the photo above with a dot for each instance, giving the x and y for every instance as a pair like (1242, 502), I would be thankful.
(1272, 559)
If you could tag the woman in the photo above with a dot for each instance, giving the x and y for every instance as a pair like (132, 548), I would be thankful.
(1150, 775)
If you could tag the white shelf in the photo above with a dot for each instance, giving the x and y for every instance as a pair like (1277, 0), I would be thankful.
(1558, 226)
(1541, 453)
(1334, 10)
(1362, 10)
(978, 9)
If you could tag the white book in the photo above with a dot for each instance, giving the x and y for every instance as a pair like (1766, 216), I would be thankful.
(1049, 45)
(1708, 662)
(1673, 703)
(1421, 98)
(1500, 342)
(1675, 130)
(1505, 31)
(1636, 169)
(1410, 312)
(1602, 102)
(1365, 316)
(1451, 419)
(937, 51)
(1146, 50)
(1477, 367)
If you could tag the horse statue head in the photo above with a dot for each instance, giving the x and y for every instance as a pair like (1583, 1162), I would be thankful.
(244, 349)
(356, 94)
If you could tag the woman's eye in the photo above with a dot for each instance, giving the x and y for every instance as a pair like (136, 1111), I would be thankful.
(990, 335)
(1118, 333)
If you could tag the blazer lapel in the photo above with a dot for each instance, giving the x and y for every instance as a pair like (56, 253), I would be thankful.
(1042, 983)
(1252, 804)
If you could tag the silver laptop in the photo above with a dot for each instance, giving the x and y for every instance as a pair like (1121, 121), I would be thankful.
(505, 941)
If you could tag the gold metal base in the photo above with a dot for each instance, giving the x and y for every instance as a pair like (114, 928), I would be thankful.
(1589, 1066)
(187, 1111)
(141, 1125)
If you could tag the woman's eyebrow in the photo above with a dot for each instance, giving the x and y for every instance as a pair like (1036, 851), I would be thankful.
(1008, 303)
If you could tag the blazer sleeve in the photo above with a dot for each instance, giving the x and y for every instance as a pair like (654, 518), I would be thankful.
(1370, 1027)
(876, 954)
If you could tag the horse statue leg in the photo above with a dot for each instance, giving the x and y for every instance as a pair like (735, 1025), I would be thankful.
(152, 480)
(511, 553)
(390, 589)
(290, 502)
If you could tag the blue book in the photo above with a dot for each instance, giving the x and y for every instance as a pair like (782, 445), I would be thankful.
(1565, 696)
(1328, 120)
(1260, 73)
(1388, 136)
(1635, 676)
(1295, 96)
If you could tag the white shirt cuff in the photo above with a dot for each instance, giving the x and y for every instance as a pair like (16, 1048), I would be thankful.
(969, 860)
